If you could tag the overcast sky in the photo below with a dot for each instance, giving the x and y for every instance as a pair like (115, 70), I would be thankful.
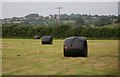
(20, 9)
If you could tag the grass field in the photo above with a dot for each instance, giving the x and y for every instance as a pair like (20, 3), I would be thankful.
(29, 57)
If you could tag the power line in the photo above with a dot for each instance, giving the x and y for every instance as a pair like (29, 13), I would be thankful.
(59, 9)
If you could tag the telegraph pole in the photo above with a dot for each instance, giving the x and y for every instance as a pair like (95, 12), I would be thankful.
(59, 8)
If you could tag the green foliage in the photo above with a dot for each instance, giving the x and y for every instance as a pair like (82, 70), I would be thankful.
(103, 21)
(79, 21)
(118, 18)
(61, 31)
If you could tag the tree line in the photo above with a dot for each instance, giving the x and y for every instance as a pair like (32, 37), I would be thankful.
(72, 19)
(62, 31)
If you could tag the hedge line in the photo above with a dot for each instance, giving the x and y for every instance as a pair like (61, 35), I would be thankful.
(59, 31)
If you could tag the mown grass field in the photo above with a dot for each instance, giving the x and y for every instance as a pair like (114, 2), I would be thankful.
(29, 57)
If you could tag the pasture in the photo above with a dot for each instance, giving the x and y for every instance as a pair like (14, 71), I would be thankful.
(30, 57)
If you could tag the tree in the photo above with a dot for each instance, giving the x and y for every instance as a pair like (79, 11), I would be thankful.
(79, 21)
(118, 18)
(103, 21)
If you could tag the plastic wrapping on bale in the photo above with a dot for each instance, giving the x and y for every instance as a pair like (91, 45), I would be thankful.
(36, 37)
(75, 47)
(47, 40)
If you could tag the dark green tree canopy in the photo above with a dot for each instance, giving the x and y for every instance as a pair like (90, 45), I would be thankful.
(79, 21)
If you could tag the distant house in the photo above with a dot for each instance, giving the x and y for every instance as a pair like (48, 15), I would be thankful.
(56, 16)
(95, 18)
(17, 19)
(50, 16)
(6, 20)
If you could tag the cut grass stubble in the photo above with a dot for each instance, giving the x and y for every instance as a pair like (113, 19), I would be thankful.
(30, 57)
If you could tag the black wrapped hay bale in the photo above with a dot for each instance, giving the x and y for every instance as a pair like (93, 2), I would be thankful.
(75, 47)
(47, 40)
(36, 37)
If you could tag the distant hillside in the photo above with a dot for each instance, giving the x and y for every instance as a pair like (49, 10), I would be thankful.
(72, 19)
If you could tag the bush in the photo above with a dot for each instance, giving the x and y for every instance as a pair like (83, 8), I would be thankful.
(62, 31)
